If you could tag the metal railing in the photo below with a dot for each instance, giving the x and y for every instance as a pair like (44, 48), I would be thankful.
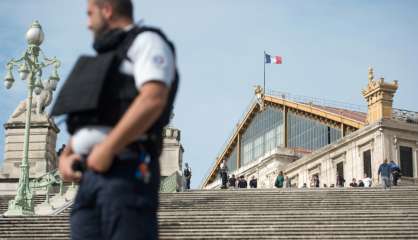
(405, 115)
(317, 101)
(170, 183)
(47, 181)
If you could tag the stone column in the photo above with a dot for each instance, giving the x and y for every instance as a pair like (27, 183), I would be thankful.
(171, 159)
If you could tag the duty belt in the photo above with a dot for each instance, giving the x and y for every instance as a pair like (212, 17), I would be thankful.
(134, 151)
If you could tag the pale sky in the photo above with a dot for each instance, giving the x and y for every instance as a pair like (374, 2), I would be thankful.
(326, 47)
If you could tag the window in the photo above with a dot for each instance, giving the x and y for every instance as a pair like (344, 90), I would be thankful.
(270, 140)
(367, 163)
(231, 161)
(258, 147)
(309, 134)
(406, 161)
(340, 172)
(247, 153)
(262, 135)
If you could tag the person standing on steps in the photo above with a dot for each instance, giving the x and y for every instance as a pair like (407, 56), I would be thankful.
(396, 172)
(223, 170)
(242, 183)
(187, 173)
(253, 182)
(316, 182)
(279, 180)
(340, 181)
(288, 182)
(384, 173)
(232, 181)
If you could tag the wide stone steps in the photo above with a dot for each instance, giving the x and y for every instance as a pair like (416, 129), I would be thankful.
(262, 214)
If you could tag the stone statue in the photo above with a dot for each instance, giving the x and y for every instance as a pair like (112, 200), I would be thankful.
(39, 102)
(259, 93)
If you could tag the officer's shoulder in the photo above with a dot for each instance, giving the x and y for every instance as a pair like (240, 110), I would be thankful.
(150, 34)
(149, 37)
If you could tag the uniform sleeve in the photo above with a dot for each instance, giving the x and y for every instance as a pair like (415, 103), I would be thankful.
(152, 60)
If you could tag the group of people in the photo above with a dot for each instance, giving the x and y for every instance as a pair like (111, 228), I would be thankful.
(365, 182)
(389, 171)
(240, 182)
(232, 181)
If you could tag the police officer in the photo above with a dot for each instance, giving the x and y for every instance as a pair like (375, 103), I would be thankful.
(187, 173)
(117, 103)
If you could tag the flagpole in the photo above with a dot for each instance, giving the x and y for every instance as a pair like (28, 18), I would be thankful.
(264, 81)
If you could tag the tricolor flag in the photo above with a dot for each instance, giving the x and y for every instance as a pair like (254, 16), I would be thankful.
(272, 59)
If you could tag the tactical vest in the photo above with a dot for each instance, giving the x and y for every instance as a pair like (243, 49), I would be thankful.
(97, 93)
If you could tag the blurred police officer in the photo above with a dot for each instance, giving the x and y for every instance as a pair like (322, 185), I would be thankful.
(117, 103)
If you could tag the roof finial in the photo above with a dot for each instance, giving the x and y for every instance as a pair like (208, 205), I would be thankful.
(371, 77)
(259, 93)
(170, 124)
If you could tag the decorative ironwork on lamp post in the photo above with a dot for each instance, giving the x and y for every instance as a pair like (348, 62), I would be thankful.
(30, 68)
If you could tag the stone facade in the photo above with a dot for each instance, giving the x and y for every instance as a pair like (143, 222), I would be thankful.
(383, 139)
(42, 141)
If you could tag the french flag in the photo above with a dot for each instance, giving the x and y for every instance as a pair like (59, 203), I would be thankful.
(272, 59)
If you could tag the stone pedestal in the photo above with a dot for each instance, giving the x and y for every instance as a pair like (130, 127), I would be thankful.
(42, 141)
(171, 158)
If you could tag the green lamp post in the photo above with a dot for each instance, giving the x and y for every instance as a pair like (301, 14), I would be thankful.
(30, 69)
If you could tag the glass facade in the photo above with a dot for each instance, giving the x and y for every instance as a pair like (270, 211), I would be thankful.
(264, 134)
(231, 161)
(309, 134)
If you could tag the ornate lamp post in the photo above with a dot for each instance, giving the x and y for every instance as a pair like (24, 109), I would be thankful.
(30, 68)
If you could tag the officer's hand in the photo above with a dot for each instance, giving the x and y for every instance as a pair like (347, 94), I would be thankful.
(100, 158)
(66, 161)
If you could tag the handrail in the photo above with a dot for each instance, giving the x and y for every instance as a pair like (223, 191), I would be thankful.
(47, 181)
(169, 184)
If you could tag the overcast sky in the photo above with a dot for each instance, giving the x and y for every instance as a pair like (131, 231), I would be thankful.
(326, 48)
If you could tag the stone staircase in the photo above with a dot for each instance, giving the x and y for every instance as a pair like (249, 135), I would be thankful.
(357, 213)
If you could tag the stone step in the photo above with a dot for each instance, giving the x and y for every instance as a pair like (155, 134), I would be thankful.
(291, 231)
(292, 237)
(261, 214)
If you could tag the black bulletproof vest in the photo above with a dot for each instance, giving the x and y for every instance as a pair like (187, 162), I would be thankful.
(97, 93)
